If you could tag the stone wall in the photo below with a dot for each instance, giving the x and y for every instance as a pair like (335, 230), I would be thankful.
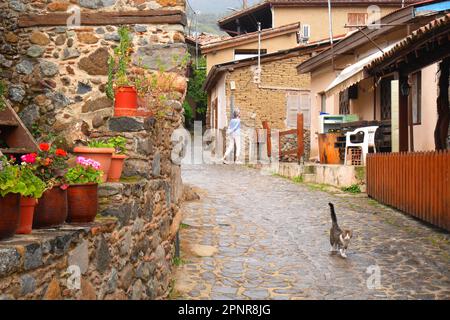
(289, 142)
(56, 81)
(56, 76)
(127, 253)
(266, 104)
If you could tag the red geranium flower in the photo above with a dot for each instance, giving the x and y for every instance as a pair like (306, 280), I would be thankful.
(60, 152)
(44, 146)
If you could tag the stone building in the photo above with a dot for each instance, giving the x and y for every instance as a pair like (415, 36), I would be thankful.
(55, 75)
(280, 95)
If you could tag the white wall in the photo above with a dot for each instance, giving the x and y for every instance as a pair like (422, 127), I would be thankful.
(424, 133)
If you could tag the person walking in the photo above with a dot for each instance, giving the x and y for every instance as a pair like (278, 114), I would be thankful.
(234, 134)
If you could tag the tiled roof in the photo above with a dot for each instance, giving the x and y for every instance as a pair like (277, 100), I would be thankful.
(206, 38)
(334, 3)
(248, 37)
(423, 32)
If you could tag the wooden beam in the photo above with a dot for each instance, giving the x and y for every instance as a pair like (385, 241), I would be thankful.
(105, 18)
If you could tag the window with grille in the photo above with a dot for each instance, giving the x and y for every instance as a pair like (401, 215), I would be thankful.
(385, 98)
(344, 102)
(416, 92)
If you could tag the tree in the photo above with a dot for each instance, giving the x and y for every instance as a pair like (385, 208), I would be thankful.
(195, 87)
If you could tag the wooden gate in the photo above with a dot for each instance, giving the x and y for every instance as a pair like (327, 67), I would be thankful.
(415, 183)
(300, 148)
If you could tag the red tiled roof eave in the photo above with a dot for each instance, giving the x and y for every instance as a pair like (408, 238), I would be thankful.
(417, 35)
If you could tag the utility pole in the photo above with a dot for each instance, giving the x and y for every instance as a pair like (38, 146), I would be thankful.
(244, 4)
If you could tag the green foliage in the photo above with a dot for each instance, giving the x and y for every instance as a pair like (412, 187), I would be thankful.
(178, 262)
(2, 93)
(83, 174)
(298, 179)
(30, 185)
(119, 143)
(118, 65)
(51, 164)
(19, 179)
(188, 114)
(100, 144)
(355, 189)
(195, 86)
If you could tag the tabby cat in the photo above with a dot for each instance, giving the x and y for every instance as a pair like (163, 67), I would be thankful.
(339, 239)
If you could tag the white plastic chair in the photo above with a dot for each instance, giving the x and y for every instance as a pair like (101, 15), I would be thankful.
(369, 141)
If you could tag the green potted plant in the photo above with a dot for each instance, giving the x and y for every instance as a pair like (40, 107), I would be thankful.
(118, 158)
(100, 151)
(9, 198)
(51, 210)
(32, 189)
(83, 182)
(119, 87)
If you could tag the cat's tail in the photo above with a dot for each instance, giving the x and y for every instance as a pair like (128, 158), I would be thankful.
(333, 214)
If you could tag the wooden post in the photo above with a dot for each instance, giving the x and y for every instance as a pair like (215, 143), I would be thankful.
(441, 131)
(300, 141)
(269, 138)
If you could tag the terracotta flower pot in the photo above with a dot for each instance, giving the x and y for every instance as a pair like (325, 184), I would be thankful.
(9, 215)
(51, 210)
(125, 102)
(101, 155)
(83, 203)
(27, 206)
(115, 171)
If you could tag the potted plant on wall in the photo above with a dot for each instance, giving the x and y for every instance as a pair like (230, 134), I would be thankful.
(83, 182)
(51, 210)
(9, 198)
(119, 87)
(100, 151)
(31, 189)
(118, 159)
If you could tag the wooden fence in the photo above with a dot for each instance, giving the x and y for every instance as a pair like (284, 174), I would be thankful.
(300, 148)
(415, 183)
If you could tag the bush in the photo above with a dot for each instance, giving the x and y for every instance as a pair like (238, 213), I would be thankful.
(352, 189)
(188, 113)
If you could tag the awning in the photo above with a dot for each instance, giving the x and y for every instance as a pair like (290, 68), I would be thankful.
(354, 73)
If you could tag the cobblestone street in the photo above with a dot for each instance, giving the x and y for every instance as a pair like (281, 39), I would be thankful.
(256, 236)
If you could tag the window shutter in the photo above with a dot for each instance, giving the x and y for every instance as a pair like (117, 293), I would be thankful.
(305, 108)
(298, 103)
(292, 108)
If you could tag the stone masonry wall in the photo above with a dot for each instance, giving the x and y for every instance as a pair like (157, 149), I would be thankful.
(266, 104)
(56, 80)
(56, 76)
(127, 253)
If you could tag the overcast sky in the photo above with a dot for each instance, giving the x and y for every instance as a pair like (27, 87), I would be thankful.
(217, 6)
